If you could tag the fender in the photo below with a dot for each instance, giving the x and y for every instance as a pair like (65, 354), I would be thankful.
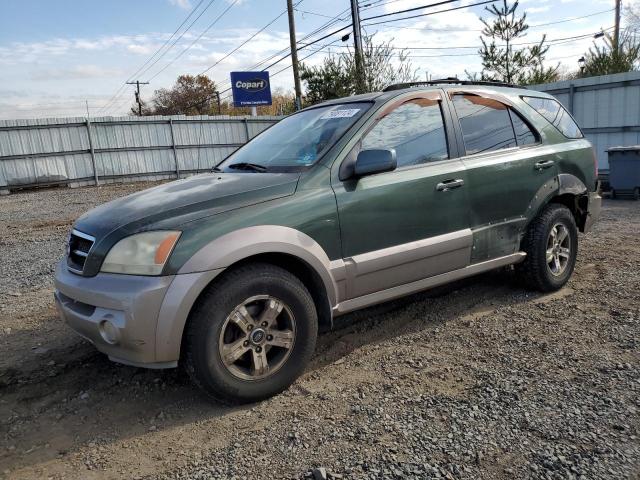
(246, 242)
(211, 260)
(562, 184)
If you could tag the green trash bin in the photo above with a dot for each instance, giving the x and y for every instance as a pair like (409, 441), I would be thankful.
(624, 171)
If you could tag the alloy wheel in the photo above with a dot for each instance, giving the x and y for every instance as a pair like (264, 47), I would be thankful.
(257, 337)
(558, 249)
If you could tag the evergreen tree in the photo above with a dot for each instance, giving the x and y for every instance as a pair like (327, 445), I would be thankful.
(608, 59)
(503, 62)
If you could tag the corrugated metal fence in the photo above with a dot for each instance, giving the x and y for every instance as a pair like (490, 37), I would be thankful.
(74, 151)
(607, 108)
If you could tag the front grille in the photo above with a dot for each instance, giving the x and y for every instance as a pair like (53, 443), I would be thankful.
(78, 250)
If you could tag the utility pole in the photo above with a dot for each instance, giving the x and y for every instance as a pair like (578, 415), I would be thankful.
(137, 83)
(357, 41)
(616, 35)
(294, 54)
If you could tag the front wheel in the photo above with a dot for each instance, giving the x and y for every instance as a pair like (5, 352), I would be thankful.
(251, 334)
(551, 245)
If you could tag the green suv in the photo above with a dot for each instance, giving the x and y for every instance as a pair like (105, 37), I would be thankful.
(342, 205)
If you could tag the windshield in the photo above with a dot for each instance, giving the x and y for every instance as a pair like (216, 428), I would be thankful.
(297, 141)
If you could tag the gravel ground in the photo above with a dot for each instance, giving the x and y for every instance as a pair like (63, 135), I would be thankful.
(482, 379)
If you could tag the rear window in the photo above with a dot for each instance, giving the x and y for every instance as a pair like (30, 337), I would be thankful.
(555, 113)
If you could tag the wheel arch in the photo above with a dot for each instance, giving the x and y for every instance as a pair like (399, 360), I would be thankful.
(285, 247)
(565, 189)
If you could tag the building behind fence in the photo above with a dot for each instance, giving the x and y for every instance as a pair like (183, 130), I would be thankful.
(607, 108)
(75, 151)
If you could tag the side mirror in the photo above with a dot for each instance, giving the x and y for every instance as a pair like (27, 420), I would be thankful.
(375, 161)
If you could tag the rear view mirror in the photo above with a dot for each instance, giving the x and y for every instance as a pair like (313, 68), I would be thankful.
(375, 161)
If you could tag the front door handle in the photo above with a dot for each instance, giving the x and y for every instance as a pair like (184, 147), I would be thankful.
(449, 185)
(544, 164)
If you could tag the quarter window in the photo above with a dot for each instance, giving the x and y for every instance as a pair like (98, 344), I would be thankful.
(555, 113)
(485, 123)
(415, 130)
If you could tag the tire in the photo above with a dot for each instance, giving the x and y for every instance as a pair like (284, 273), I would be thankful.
(537, 271)
(614, 195)
(636, 193)
(218, 326)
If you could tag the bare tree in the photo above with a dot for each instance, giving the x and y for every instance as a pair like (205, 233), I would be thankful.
(336, 76)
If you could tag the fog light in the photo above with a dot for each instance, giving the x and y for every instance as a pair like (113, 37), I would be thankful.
(109, 332)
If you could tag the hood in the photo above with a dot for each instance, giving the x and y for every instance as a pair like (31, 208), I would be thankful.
(183, 200)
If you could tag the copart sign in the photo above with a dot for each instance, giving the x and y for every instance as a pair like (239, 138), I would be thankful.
(250, 89)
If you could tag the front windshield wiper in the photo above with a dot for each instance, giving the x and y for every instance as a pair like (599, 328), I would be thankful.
(248, 166)
(216, 169)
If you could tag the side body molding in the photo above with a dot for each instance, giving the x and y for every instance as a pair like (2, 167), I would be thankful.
(246, 242)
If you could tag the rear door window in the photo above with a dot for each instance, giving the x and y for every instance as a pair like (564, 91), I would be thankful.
(555, 113)
(485, 123)
(524, 134)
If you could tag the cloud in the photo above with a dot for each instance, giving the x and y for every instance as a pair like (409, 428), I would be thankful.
(74, 73)
(537, 9)
(184, 4)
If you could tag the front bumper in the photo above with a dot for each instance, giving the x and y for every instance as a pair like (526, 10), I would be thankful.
(593, 209)
(117, 313)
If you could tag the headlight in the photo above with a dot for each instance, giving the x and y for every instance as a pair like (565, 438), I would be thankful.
(141, 254)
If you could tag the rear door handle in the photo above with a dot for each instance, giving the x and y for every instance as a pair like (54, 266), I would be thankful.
(449, 185)
(544, 164)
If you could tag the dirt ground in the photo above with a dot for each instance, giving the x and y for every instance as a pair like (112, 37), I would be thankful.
(479, 380)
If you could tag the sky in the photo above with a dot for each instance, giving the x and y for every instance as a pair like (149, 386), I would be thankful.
(58, 56)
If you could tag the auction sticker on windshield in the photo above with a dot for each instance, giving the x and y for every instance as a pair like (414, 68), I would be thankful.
(347, 113)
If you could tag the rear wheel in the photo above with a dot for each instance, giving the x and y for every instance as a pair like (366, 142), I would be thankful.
(636, 193)
(251, 334)
(551, 245)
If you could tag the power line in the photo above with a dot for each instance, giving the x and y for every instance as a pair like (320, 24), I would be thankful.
(246, 41)
(437, 4)
(140, 69)
(426, 14)
(211, 2)
(536, 25)
(463, 47)
(319, 29)
(562, 42)
(195, 41)
(168, 39)
(288, 66)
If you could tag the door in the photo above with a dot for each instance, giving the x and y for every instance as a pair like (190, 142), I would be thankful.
(411, 223)
(505, 172)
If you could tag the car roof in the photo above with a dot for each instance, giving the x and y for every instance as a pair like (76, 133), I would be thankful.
(508, 91)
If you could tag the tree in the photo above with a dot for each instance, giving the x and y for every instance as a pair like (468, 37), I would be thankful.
(506, 63)
(607, 59)
(336, 76)
(332, 79)
(632, 15)
(189, 96)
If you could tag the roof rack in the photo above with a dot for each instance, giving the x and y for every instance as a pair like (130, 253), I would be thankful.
(448, 81)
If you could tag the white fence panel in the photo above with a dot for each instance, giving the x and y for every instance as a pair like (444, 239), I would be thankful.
(74, 151)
